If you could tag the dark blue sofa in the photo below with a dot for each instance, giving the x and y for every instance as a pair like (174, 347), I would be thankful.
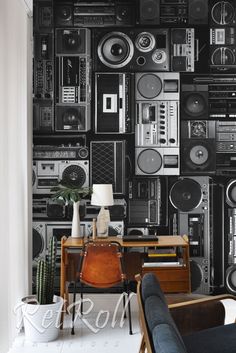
(190, 327)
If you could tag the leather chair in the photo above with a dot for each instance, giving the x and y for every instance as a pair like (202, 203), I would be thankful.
(101, 266)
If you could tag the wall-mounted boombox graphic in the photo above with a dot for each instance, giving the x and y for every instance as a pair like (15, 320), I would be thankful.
(73, 86)
(43, 83)
(114, 103)
(43, 121)
(43, 231)
(210, 96)
(43, 16)
(95, 14)
(230, 243)
(157, 128)
(61, 152)
(46, 208)
(231, 250)
(222, 36)
(107, 160)
(222, 13)
(117, 211)
(145, 201)
(198, 147)
(191, 197)
(114, 228)
(132, 50)
(182, 49)
(47, 173)
(175, 12)
(43, 66)
(222, 49)
(226, 147)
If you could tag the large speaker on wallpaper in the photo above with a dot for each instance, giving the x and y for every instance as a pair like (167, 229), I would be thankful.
(223, 13)
(198, 147)
(194, 99)
(198, 12)
(183, 49)
(198, 156)
(156, 161)
(136, 49)
(108, 164)
(191, 197)
(149, 12)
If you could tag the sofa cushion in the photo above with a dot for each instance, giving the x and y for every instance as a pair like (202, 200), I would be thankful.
(151, 286)
(157, 312)
(220, 339)
(165, 340)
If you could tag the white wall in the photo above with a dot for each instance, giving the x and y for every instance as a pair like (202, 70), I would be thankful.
(15, 165)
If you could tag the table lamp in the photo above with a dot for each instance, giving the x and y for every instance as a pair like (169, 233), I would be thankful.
(102, 196)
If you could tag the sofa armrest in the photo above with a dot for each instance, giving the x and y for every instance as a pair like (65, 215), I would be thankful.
(200, 314)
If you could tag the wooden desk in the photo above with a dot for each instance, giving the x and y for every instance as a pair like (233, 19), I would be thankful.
(172, 279)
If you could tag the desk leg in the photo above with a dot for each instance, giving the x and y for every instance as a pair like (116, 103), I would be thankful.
(62, 279)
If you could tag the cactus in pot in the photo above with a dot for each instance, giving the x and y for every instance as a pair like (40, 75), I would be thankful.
(41, 313)
(45, 275)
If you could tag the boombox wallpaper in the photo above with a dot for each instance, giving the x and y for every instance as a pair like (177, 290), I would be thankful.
(140, 94)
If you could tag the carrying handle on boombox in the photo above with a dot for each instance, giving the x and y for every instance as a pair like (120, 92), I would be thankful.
(196, 50)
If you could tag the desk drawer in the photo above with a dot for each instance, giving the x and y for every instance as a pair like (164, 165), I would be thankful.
(172, 280)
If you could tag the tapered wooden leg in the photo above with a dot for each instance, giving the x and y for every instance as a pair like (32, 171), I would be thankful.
(142, 345)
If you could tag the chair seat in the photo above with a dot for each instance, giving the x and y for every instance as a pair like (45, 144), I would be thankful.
(212, 340)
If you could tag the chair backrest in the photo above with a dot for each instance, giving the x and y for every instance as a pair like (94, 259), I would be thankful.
(101, 264)
(160, 333)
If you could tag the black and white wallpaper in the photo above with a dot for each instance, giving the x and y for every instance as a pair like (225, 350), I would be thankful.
(140, 94)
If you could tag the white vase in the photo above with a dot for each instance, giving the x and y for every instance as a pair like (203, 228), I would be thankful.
(75, 231)
(41, 322)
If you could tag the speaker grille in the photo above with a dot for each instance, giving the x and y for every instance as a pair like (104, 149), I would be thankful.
(74, 175)
(196, 276)
(107, 164)
(185, 194)
(103, 163)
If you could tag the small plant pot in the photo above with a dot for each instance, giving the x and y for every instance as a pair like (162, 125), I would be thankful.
(41, 322)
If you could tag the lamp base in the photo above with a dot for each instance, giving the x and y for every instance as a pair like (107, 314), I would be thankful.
(103, 220)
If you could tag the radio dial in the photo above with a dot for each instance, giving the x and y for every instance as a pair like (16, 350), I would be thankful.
(172, 140)
(162, 140)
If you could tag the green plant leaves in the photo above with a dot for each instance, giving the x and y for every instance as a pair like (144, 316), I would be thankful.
(70, 193)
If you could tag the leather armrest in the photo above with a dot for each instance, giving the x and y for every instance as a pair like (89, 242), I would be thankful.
(199, 314)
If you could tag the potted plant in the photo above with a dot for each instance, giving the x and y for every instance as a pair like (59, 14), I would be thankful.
(71, 194)
(42, 312)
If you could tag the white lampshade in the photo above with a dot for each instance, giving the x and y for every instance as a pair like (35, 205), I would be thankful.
(102, 195)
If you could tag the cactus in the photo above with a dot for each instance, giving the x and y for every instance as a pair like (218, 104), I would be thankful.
(52, 252)
(45, 275)
(41, 281)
